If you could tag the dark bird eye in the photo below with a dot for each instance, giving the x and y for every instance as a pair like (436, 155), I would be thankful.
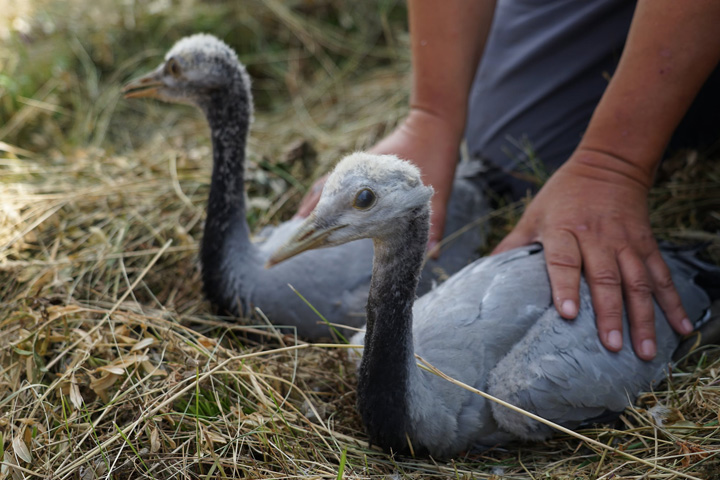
(173, 67)
(364, 199)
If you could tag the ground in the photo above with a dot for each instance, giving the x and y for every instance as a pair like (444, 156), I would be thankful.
(111, 361)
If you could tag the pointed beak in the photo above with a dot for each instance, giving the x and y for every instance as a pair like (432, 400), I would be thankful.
(308, 237)
(145, 86)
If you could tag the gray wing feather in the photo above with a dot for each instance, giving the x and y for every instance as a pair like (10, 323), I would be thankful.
(561, 371)
(452, 328)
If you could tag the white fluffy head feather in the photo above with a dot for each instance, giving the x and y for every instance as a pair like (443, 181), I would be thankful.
(395, 184)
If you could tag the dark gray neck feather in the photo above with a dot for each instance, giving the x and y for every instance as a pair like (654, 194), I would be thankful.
(228, 112)
(383, 374)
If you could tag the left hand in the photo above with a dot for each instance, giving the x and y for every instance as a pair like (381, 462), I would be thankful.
(591, 217)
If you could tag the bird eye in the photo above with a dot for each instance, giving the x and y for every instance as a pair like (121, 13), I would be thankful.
(173, 67)
(364, 199)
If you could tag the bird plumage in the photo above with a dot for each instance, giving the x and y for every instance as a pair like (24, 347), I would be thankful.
(203, 71)
(492, 325)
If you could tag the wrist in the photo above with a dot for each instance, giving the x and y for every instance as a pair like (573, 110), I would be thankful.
(633, 146)
(445, 127)
(607, 166)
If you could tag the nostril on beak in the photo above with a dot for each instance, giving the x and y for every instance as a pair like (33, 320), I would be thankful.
(306, 235)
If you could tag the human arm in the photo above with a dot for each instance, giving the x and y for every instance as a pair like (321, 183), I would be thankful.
(593, 214)
(446, 41)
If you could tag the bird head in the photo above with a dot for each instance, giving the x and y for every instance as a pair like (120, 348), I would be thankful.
(193, 68)
(366, 196)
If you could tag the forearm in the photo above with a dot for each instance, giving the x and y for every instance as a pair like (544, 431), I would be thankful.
(447, 40)
(671, 49)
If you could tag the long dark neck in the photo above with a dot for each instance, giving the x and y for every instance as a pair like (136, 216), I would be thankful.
(383, 375)
(226, 229)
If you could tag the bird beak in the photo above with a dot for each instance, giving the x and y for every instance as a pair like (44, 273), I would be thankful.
(308, 236)
(145, 86)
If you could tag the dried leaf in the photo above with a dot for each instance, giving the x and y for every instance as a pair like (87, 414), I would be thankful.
(125, 339)
(103, 383)
(8, 461)
(683, 427)
(255, 419)
(119, 366)
(94, 471)
(5, 467)
(130, 360)
(75, 397)
(21, 450)
(154, 440)
(30, 369)
(114, 369)
(27, 435)
(87, 473)
(57, 311)
(689, 450)
(169, 441)
(122, 329)
(144, 343)
(152, 370)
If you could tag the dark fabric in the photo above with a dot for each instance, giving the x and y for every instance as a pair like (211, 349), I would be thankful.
(544, 69)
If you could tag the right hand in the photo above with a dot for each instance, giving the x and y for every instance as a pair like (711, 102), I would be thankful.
(592, 216)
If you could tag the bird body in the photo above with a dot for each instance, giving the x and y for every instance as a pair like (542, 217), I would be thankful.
(525, 353)
(492, 326)
(203, 71)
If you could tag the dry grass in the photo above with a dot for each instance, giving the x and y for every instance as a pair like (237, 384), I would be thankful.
(112, 365)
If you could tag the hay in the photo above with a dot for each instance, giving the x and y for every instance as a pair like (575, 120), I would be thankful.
(112, 365)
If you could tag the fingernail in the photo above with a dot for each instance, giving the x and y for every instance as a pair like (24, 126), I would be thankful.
(647, 348)
(686, 326)
(614, 339)
(569, 309)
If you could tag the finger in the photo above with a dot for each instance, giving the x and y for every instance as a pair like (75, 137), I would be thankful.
(603, 277)
(564, 264)
(666, 295)
(638, 300)
(519, 237)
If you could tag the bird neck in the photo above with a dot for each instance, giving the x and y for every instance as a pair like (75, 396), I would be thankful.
(389, 354)
(229, 112)
(227, 234)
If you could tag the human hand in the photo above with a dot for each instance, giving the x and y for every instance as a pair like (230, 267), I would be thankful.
(311, 198)
(432, 144)
(593, 217)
